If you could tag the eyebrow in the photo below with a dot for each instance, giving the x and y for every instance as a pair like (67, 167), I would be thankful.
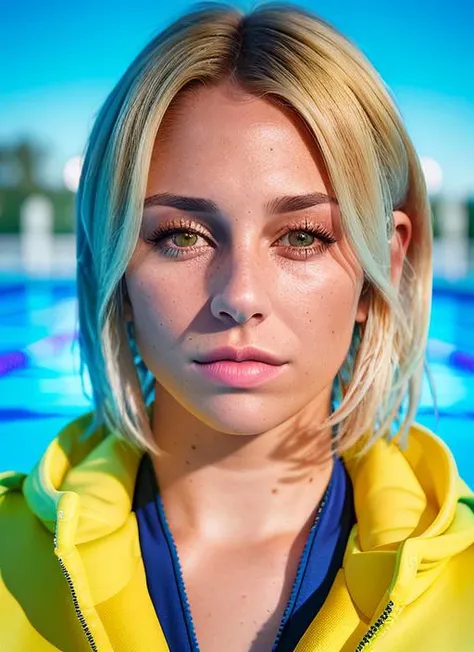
(286, 204)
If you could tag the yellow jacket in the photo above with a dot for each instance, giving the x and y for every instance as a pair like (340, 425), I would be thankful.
(72, 575)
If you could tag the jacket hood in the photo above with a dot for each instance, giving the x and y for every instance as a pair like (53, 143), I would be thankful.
(413, 511)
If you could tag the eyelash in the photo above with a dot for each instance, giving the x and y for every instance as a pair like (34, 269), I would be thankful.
(164, 231)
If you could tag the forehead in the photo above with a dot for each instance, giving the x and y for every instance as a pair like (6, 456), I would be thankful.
(224, 126)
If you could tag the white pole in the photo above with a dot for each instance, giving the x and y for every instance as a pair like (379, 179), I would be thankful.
(36, 236)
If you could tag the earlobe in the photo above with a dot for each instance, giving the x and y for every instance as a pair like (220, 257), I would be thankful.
(127, 312)
(127, 306)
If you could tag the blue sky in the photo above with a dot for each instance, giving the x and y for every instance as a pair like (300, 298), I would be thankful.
(63, 58)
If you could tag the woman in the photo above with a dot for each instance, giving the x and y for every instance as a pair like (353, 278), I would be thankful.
(254, 282)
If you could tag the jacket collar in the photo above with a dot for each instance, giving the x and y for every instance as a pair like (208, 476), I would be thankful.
(409, 520)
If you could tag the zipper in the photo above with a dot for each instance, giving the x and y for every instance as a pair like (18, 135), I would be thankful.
(79, 613)
(303, 560)
(379, 628)
(386, 617)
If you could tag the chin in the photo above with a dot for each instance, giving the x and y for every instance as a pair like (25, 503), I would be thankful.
(243, 415)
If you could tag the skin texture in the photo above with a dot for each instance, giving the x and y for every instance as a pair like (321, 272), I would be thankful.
(242, 475)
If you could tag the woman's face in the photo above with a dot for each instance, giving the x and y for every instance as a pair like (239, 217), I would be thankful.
(249, 276)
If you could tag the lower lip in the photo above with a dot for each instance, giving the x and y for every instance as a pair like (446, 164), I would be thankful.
(239, 374)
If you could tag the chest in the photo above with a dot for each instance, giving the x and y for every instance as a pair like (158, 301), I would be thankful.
(237, 597)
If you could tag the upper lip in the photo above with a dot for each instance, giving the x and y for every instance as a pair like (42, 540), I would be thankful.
(239, 355)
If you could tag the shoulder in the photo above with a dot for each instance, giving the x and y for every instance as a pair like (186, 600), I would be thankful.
(13, 508)
(33, 592)
(22, 530)
(37, 611)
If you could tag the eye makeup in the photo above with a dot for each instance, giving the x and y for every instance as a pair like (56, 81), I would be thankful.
(163, 238)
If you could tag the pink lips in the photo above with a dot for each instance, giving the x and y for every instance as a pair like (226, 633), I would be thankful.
(245, 367)
(248, 373)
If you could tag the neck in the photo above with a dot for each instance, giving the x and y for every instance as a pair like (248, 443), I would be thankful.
(239, 488)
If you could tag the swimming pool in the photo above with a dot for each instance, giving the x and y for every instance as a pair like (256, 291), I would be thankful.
(40, 389)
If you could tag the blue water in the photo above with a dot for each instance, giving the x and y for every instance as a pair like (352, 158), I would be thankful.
(40, 388)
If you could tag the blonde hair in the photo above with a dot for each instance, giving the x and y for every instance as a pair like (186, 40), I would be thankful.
(294, 57)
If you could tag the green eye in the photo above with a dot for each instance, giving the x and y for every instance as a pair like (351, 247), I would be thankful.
(185, 239)
(301, 238)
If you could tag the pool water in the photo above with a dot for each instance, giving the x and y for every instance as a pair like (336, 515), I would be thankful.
(40, 387)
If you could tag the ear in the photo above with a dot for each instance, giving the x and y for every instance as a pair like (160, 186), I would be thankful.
(399, 243)
(363, 306)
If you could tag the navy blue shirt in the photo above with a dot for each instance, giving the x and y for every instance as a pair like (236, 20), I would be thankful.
(320, 560)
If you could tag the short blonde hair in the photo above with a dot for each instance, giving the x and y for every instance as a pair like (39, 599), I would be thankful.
(292, 56)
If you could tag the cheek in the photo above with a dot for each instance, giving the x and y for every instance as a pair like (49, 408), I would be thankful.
(323, 322)
(162, 311)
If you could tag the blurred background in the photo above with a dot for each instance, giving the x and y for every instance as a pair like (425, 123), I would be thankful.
(60, 62)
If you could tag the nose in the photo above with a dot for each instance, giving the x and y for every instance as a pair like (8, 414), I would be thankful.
(241, 290)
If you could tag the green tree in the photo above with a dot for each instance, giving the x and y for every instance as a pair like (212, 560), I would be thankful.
(28, 157)
(470, 217)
